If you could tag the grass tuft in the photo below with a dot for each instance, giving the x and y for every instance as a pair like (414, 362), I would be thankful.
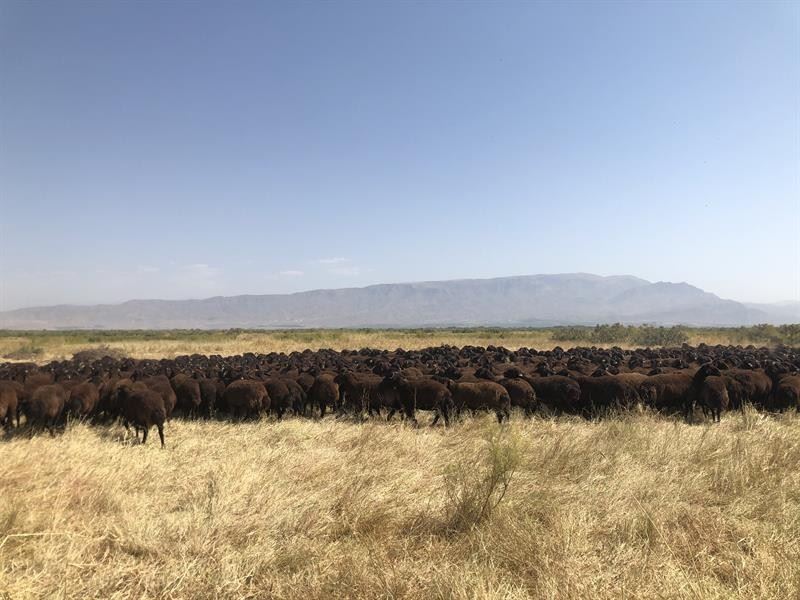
(473, 490)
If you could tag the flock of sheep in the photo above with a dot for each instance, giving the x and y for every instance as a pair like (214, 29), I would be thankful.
(446, 381)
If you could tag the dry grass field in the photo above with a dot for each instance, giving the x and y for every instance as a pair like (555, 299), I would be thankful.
(43, 346)
(638, 506)
(54, 346)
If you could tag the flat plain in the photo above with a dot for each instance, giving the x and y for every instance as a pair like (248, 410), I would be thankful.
(635, 506)
(631, 505)
(44, 346)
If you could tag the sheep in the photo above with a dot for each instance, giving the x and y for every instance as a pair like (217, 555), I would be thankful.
(750, 386)
(483, 395)
(324, 393)
(46, 407)
(211, 391)
(83, 399)
(713, 397)
(297, 395)
(420, 393)
(142, 407)
(188, 397)
(520, 391)
(561, 394)
(360, 391)
(162, 385)
(246, 397)
(11, 393)
(281, 398)
(607, 391)
(667, 392)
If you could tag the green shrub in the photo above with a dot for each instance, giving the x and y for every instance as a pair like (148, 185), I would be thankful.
(474, 490)
(658, 336)
(644, 335)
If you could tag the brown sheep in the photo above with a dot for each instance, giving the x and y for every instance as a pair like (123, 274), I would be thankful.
(522, 394)
(634, 382)
(306, 381)
(108, 402)
(36, 380)
(142, 407)
(785, 386)
(603, 392)
(482, 395)
(361, 391)
(83, 399)
(667, 392)
(707, 395)
(420, 394)
(188, 397)
(751, 386)
(11, 393)
(211, 391)
(561, 394)
(246, 397)
(281, 398)
(161, 384)
(324, 393)
(786, 393)
(713, 397)
(297, 393)
(46, 406)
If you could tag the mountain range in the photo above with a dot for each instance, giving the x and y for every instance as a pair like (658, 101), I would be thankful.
(532, 300)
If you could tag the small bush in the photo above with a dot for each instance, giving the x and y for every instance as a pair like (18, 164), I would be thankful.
(473, 491)
(617, 333)
(658, 336)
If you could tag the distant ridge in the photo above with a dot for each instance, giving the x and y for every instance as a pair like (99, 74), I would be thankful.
(530, 300)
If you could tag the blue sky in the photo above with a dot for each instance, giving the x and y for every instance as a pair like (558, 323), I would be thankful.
(177, 150)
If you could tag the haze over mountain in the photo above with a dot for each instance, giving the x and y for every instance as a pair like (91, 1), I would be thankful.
(534, 300)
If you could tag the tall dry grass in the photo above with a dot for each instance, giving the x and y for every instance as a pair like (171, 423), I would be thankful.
(640, 507)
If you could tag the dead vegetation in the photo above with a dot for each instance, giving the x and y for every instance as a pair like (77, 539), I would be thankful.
(44, 346)
(639, 506)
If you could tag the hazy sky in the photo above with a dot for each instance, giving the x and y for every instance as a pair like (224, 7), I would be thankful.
(174, 150)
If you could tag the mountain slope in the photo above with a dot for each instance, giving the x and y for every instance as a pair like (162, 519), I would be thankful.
(577, 298)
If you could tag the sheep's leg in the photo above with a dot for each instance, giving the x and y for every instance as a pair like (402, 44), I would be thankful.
(445, 415)
(689, 412)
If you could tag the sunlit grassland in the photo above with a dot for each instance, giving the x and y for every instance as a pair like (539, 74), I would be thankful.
(637, 506)
(43, 346)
